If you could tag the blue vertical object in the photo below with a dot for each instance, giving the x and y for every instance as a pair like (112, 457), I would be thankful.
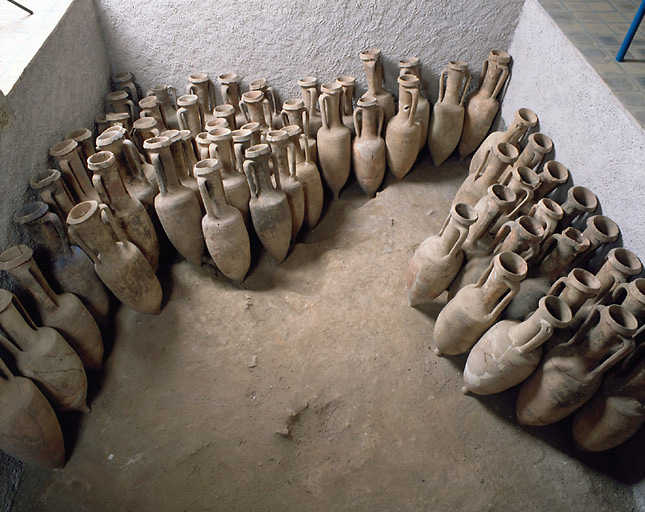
(631, 32)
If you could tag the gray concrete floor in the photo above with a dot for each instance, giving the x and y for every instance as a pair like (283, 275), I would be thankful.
(324, 349)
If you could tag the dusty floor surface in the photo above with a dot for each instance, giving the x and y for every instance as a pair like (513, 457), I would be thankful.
(313, 387)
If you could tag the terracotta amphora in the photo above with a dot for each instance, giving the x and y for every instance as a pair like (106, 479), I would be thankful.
(482, 105)
(537, 147)
(437, 260)
(410, 66)
(617, 412)
(572, 372)
(279, 141)
(117, 261)
(29, 428)
(557, 256)
(579, 201)
(68, 155)
(269, 207)
(201, 86)
(124, 81)
(523, 120)
(227, 239)
(522, 236)
(145, 128)
(121, 103)
(403, 131)
(189, 114)
(498, 200)
(203, 145)
(227, 112)
(309, 92)
(180, 158)
(42, 355)
(334, 140)
(476, 307)
(256, 132)
(257, 109)
(368, 148)
(600, 230)
(241, 142)
(448, 112)
(374, 71)
(177, 207)
(576, 288)
(308, 174)
(230, 89)
(631, 296)
(509, 352)
(294, 112)
(167, 104)
(548, 213)
(137, 174)
(422, 112)
(122, 119)
(129, 213)
(523, 181)
(85, 140)
(553, 175)
(348, 84)
(150, 108)
(52, 191)
(236, 188)
(70, 267)
(274, 120)
(65, 312)
(475, 185)
(190, 150)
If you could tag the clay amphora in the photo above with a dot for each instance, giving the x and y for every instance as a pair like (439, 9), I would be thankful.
(403, 131)
(241, 142)
(68, 156)
(177, 207)
(410, 66)
(227, 112)
(548, 213)
(476, 307)
(145, 128)
(558, 255)
(409, 82)
(122, 119)
(600, 231)
(334, 140)
(523, 120)
(121, 103)
(203, 144)
(70, 267)
(29, 428)
(117, 261)
(475, 185)
(230, 89)
(201, 86)
(309, 91)
(64, 312)
(128, 212)
(579, 201)
(43, 355)
(236, 188)
(124, 81)
(576, 288)
(368, 148)
(448, 113)
(308, 174)
(256, 132)
(168, 108)
(374, 70)
(85, 140)
(151, 108)
(348, 84)
(482, 105)
(188, 141)
(553, 175)
(631, 296)
(572, 372)
(437, 260)
(274, 119)
(521, 236)
(617, 412)
(181, 162)
(189, 114)
(257, 109)
(52, 190)
(295, 113)
(269, 207)
(289, 183)
(536, 148)
(224, 230)
(523, 181)
(511, 350)
(135, 172)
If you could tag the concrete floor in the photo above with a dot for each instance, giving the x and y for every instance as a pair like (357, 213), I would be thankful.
(313, 387)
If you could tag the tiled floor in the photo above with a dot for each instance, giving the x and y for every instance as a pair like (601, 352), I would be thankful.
(22, 34)
(597, 29)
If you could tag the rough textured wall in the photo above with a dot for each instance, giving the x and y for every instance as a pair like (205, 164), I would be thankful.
(284, 40)
(601, 144)
(62, 89)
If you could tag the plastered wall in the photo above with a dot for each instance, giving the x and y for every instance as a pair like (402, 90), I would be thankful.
(600, 143)
(283, 40)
